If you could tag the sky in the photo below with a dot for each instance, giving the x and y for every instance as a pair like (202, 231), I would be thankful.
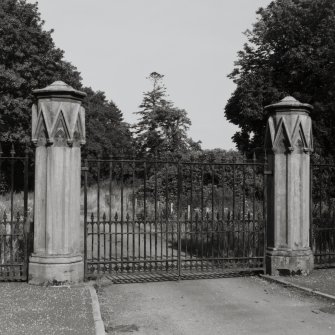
(116, 44)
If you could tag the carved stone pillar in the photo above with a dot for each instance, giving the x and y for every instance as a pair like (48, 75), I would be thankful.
(288, 144)
(58, 131)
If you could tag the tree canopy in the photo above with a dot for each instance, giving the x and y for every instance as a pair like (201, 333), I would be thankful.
(29, 59)
(162, 127)
(290, 51)
(107, 133)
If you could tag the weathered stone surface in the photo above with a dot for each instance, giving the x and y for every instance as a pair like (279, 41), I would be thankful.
(58, 118)
(289, 262)
(288, 144)
(53, 269)
(58, 130)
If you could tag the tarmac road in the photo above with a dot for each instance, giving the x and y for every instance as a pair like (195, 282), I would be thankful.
(30, 310)
(247, 305)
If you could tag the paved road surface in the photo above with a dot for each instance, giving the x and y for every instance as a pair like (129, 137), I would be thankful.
(231, 306)
(30, 310)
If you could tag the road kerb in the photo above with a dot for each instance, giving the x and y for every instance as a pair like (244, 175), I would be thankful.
(98, 323)
(301, 288)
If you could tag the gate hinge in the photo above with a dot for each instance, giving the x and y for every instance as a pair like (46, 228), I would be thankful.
(269, 172)
(84, 168)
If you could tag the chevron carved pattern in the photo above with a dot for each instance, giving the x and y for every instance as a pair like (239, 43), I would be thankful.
(61, 123)
(289, 133)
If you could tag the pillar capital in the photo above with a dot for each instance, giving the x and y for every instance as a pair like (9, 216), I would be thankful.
(58, 118)
(289, 127)
(289, 104)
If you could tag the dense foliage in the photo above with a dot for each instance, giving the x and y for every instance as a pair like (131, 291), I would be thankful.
(106, 133)
(290, 51)
(29, 59)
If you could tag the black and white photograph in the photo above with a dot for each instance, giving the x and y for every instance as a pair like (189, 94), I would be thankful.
(167, 167)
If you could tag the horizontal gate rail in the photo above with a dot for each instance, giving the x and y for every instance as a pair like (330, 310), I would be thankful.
(173, 217)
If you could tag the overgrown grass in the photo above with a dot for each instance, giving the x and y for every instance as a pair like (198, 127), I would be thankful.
(6, 204)
(131, 200)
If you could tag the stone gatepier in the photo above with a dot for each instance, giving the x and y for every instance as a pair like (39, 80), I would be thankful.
(58, 131)
(288, 144)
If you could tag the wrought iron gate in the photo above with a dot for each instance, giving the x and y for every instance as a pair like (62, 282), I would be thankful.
(155, 220)
(14, 215)
(322, 234)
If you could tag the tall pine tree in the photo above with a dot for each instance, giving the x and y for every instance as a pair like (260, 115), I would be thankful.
(162, 127)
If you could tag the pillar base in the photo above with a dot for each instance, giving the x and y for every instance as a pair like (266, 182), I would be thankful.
(53, 269)
(283, 262)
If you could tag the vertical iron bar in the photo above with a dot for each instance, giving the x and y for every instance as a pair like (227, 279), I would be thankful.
(104, 234)
(254, 202)
(139, 244)
(25, 205)
(191, 213)
(265, 212)
(243, 209)
(234, 172)
(121, 216)
(310, 208)
(161, 232)
(150, 243)
(223, 234)
(110, 214)
(229, 232)
(145, 213)
(98, 212)
(207, 245)
(85, 218)
(202, 215)
(133, 210)
(12, 223)
(321, 188)
(212, 235)
(115, 242)
(127, 257)
(92, 237)
(196, 239)
(166, 217)
(178, 218)
(217, 234)
(155, 195)
(2, 241)
(233, 214)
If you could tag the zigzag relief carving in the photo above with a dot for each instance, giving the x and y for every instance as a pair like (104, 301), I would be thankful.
(59, 123)
(285, 135)
(77, 137)
(282, 140)
(60, 131)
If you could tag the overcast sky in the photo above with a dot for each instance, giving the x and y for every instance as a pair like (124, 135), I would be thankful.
(116, 44)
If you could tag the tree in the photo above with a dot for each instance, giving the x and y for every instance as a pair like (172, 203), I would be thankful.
(30, 60)
(162, 126)
(107, 134)
(290, 51)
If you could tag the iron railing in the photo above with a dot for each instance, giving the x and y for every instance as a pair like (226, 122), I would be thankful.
(13, 215)
(173, 217)
(322, 236)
